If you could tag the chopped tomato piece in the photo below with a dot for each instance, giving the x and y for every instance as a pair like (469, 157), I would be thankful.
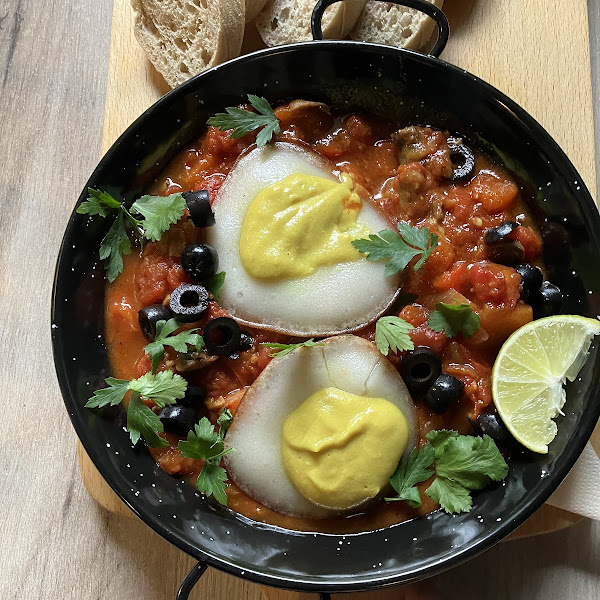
(530, 241)
(494, 284)
(494, 191)
(456, 278)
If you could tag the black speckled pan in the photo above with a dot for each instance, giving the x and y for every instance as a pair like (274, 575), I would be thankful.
(409, 88)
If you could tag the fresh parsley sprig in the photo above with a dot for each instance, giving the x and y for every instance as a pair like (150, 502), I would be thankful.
(158, 212)
(287, 348)
(453, 319)
(215, 283)
(391, 333)
(207, 444)
(179, 342)
(400, 247)
(463, 463)
(241, 122)
(164, 388)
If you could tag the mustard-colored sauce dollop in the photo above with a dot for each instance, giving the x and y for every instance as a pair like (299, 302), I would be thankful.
(340, 450)
(299, 224)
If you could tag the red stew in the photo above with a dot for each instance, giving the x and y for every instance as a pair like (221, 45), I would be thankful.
(408, 174)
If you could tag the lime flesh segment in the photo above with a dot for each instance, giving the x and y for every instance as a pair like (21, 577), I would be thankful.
(529, 373)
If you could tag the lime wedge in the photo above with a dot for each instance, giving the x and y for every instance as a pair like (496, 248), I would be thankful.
(530, 370)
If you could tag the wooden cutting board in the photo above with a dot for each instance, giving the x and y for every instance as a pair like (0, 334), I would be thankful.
(535, 51)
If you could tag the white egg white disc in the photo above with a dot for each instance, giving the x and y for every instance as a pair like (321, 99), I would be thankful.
(346, 362)
(334, 299)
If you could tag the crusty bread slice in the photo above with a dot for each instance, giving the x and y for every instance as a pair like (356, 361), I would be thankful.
(387, 23)
(183, 37)
(287, 21)
(253, 7)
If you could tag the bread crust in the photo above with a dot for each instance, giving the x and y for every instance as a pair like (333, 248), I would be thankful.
(253, 7)
(393, 25)
(288, 21)
(183, 37)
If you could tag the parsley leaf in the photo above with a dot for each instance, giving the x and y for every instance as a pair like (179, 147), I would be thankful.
(179, 342)
(287, 348)
(99, 203)
(242, 122)
(417, 470)
(113, 247)
(159, 212)
(164, 388)
(204, 442)
(453, 319)
(399, 248)
(211, 481)
(450, 495)
(462, 463)
(470, 461)
(207, 444)
(215, 283)
(392, 333)
(113, 394)
(141, 421)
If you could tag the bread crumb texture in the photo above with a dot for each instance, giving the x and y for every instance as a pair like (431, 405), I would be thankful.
(288, 21)
(387, 23)
(183, 37)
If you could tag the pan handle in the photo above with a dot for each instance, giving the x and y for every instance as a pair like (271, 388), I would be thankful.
(190, 581)
(421, 5)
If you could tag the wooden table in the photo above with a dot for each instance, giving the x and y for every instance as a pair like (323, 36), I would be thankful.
(55, 542)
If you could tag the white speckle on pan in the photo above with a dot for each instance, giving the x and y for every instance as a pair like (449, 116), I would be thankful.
(211, 539)
(174, 516)
(128, 466)
(192, 527)
(74, 358)
(414, 539)
(153, 485)
(264, 85)
(590, 292)
(242, 572)
(116, 453)
(549, 184)
(201, 101)
(54, 326)
(107, 444)
(578, 187)
(137, 493)
(228, 532)
(498, 520)
(160, 500)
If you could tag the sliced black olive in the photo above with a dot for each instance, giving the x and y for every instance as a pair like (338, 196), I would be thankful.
(496, 234)
(463, 161)
(222, 336)
(548, 302)
(198, 204)
(557, 247)
(506, 252)
(177, 419)
(195, 395)
(531, 281)
(420, 368)
(491, 424)
(200, 261)
(246, 342)
(445, 390)
(189, 302)
(149, 316)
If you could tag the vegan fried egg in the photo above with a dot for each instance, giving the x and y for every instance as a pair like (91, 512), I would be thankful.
(284, 226)
(322, 429)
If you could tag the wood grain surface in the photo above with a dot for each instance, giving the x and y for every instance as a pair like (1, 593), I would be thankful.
(55, 542)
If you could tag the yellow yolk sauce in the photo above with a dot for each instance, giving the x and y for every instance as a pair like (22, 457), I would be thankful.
(340, 450)
(299, 224)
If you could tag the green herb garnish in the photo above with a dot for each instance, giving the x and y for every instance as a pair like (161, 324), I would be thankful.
(163, 388)
(179, 342)
(399, 248)
(215, 283)
(391, 333)
(242, 122)
(158, 212)
(207, 444)
(287, 348)
(453, 319)
(462, 463)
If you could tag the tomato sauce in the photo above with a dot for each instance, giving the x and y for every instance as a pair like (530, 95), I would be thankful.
(408, 174)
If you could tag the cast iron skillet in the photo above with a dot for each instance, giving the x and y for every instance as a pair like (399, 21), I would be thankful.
(412, 89)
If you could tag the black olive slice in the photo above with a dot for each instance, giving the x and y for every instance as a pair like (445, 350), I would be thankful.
(463, 160)
(222, 336)
(198, 204)
(149, 316)
(200, 261)
(506, 252)
(491, 424)
(246, 342)
(195, 395)
(531, 281)
(548, 302)
(420, 368)
(189, 302)
(445, 390)
(177, 419)
(497, 234)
